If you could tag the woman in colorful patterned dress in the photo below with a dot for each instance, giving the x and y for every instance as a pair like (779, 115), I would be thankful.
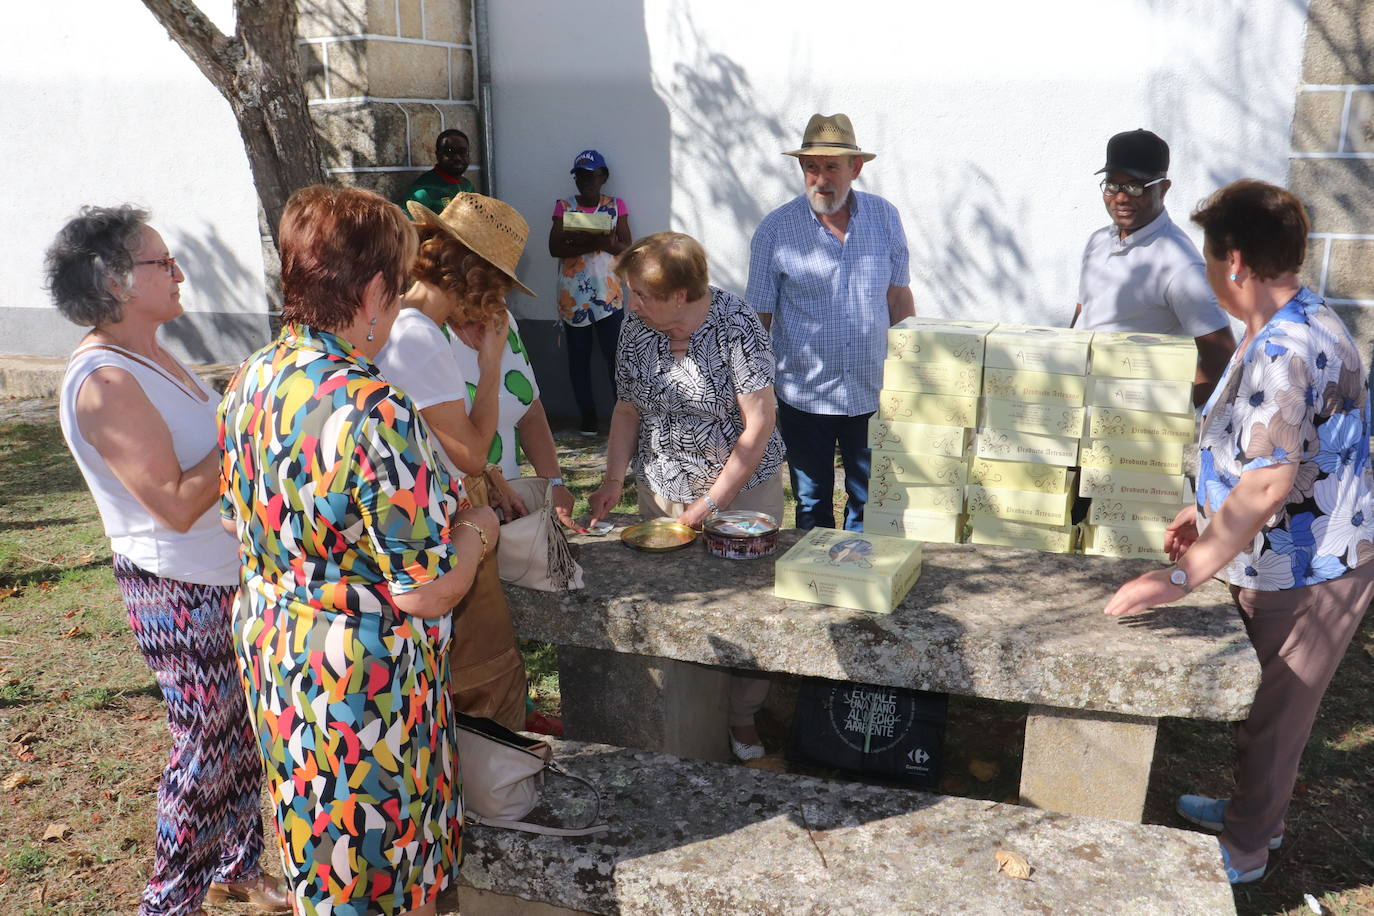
(696, 411)
(355, 549)
(1285, 505)
(141, 427)
(589, 298)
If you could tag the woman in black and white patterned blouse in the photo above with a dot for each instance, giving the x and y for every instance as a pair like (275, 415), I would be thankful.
(695, 409)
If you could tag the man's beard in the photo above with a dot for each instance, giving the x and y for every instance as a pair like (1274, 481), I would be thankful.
(820, 206)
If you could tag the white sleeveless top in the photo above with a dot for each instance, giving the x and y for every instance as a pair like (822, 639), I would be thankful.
(204, 555)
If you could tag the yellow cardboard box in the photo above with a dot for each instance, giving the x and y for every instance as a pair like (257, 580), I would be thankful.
(933, 378)
(1034, 387)
(1133, 355)
(1136, 543)
(868, 572)
(1019, 505)
(917, 438)
(915, 526)
(1123, 454)
(1139, 425)
(927, 470)
(1131, 514)
(1000, 532)
(1159, 395)
(1059, 350)
(938, 340)
(893, 496)
(1021, 475)
(1037, 419)
(930, 409)
(1014, 445)
(1138, 486)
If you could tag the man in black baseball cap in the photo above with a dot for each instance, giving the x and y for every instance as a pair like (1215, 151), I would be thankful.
(1142, 273)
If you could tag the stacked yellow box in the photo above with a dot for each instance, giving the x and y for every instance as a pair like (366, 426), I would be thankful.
(1140, 405)
(1021, 481)
(841, 568)
(922, 432)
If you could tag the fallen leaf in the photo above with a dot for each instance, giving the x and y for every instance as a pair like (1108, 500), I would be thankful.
(72, 613)
(25, 757)
(983, 770)
(1014, 864)
(7, 592)
(14, 781)
(141, 716)
(73, 632)
(56, 832)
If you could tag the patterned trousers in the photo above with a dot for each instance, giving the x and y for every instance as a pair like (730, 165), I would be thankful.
(209, 821)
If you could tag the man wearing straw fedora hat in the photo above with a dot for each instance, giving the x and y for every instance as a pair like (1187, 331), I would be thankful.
(828, 275)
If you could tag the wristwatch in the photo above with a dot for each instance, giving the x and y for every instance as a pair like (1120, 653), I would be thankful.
(556, 482)
(1180, 578)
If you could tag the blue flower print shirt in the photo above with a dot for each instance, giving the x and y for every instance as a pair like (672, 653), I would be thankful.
(1298, 395)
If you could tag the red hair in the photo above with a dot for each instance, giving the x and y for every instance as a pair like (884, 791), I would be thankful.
(477, 288)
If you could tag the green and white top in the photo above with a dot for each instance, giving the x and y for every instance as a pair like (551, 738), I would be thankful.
(517, 392)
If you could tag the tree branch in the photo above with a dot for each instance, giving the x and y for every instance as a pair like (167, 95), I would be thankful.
(203, 42)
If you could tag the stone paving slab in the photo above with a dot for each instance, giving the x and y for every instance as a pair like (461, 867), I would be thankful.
(692, 837)
(1001, 623)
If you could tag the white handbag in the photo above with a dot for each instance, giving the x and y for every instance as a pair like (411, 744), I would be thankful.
(533, 550)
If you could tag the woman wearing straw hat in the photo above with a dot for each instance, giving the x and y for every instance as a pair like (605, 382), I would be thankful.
(356, 545)
(458, 353)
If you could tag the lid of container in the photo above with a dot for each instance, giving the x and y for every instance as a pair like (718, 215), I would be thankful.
(740, 523)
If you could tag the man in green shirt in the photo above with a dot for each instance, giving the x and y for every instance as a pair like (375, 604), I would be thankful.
(436, 187)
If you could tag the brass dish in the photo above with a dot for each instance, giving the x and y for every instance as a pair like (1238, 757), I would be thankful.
(658, 536)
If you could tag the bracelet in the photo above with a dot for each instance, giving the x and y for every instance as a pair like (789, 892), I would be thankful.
(711, 504)
(556, 482)
(480, 533)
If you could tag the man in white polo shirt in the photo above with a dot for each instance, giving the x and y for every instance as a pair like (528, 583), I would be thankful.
(1142, 272)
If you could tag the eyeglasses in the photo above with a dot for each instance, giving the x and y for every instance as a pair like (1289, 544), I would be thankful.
(168, 264)
(1111, 188)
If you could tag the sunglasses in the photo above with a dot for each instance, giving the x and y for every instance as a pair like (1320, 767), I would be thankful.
(1111, 188)
(168, 264)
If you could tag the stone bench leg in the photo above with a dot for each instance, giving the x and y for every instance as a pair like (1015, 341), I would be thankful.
(1083, 762)
(641, 701)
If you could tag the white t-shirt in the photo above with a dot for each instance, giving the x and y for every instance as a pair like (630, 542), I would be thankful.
(517, 392)
(204, 555)
(417, 359)
(1153, 281)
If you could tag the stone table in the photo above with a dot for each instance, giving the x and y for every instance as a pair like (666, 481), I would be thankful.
(644, 646)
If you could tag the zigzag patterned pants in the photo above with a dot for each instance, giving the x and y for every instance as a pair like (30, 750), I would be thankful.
(209, 820)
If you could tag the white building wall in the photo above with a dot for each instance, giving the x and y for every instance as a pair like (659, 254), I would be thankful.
(989, 119)
(99, 106)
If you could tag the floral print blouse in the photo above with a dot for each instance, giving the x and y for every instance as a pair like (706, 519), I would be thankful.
(689, 416)
(1298, 394)
(588, 289)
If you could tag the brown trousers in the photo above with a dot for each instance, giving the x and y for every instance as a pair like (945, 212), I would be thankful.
(748, 689)
(1300, 636)
(487, 672)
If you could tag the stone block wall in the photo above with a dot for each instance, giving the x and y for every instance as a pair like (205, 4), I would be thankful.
(384, 77)
(1331, 165)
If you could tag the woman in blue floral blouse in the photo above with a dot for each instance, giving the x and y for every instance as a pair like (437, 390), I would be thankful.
(1284, 511)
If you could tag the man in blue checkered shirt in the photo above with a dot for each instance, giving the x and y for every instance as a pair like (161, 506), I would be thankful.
(831, 267)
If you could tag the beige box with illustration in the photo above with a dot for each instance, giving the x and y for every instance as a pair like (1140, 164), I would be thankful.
(1034, 387)
(915, 525)
(894, 496)
(1014, 445)
(587, 222)
(1122, 354)
(1159, 395)
(1037, 419)
(1021, 475)
(930, 409)
(1139, 486)
(1001, 532)
(1131, 514)
(963, 379)
(1123, 454)
(1019, 505)
(1134, 543)
(926, 470)
(918, 438)
(1062, 351)
(938, 340)
(868, 572)
(1139, 425)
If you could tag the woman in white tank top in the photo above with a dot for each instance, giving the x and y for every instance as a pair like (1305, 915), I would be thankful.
(142, 430)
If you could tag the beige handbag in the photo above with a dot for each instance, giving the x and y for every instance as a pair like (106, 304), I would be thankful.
(533, 550)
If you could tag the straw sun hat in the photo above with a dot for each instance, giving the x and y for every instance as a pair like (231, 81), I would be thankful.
(492, 228)
(830, 135)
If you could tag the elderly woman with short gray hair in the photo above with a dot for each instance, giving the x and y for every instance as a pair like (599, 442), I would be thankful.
(141, 427)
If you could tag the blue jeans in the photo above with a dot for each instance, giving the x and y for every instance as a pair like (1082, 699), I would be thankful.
(811, 439)
(581, 339)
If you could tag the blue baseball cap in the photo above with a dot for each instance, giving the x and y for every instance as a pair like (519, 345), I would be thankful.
(590, 160)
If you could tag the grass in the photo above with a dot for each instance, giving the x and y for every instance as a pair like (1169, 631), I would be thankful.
(83, 737)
